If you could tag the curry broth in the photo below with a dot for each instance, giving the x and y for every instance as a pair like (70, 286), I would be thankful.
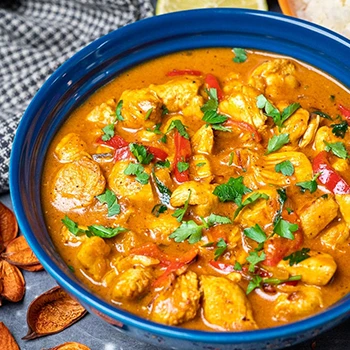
(316, 92)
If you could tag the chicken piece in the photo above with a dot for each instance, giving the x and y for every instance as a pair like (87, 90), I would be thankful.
(126, 185)
(136, 105)
(200, 168)
(318, 269)
(274, 77)
(121, 264)
(310, 131)
(93, 256)
(232, 82)
(241, 106)
(72, 240)
(162, 227)
(203, 140)
(299, 301)
(76, 184)
(132, 283)
(335, 235)
(265, 173)
(296, 125)
(225, 304)
(343, 201)
(201, 197)
(103, 114)
(178, 303)
(261, 212)
(181, 95)
(325, 134)
(315, 217)
(71, 147)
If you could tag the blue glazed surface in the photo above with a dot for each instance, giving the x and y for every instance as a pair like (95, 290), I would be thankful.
(100, 62)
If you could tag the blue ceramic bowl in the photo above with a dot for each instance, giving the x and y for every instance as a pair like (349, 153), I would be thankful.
(100, 62)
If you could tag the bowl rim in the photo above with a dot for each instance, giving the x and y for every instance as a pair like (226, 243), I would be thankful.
(340, 309)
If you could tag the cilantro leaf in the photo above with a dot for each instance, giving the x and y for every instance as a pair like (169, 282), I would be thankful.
(159, 209)
(323, 115)
(289, 111)
(139, 171)
(140, 153)
(240, 55)
(106, 232)
(285, 229)
(286, 168)
(156, 129)
(177, 124)
(182, 166)
(309, 185)
(340, 129)
(254, 258)
(232, 191)
(148, 113)
(277, 142)
(220, 127)
(160, 164)
(165, 110)
(188, 230)
(180, 212)
(237, 266)
(213, 103)
(199, 165)
(279, 281)
(163, 191)
(220, 248)
(212, 117)
(109, 198)
(298, 256)
(72, 226)
(217, 219)
(118, 111)
(338, 149)
(108, 132)
(254, 283)
(251, 199)
(256, 233)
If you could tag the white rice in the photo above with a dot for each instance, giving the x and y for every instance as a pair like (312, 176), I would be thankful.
(333, 14)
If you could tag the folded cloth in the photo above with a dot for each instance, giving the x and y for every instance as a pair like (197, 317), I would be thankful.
(36, 37)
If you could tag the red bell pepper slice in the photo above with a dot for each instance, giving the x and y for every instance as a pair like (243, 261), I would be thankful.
(345, 112)
(115, 142)
(276, 248)
(329, 177)
(222, 267)
(158, 153)
(245, 127)
(176, 72)
(212, 83)
(182, 154)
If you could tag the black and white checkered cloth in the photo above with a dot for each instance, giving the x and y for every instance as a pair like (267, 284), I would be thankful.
(36, 37)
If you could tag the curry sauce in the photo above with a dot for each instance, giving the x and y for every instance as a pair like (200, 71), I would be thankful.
(208, 190)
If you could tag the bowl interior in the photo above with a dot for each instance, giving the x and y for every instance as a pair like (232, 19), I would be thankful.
(107, 57)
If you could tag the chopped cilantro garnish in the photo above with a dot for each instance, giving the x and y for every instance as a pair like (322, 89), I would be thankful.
(298, 256)
(163, 191)
(230, 161)
(156, 129)
(220, 248)
(164, 110)
(180, 212)
(213, 103)
(108, 132)
(256, 233)
(182, 166)
(109, 198)
(159, 209)
(251, 199)
(240, 55)
(279, 281)
(232, 191)
(285, 229)
(286, 168)
(148, 113)
(217, 219)
(140, 153)
(309, 185)
(277, 142)
(177, 124)
(237, 266)
(139, 171)
(338, 149)
(199, 165)
(160, 164)
(105, 232)
(254, 283)
(188, 230)
(254, 258)
(72, 226)
(340, 129)
(163, 139)
(118, 111)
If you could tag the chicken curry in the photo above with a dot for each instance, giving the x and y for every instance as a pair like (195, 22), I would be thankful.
(208, 189)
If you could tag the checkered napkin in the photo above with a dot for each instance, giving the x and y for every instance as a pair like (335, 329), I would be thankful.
(36, 37)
